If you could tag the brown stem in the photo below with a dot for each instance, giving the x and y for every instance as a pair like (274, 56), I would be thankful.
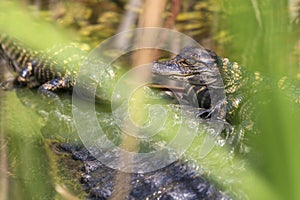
(152, 16)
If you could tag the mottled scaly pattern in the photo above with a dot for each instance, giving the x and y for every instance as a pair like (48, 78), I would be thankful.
(49, 70)
(15, 53)
(180, 180)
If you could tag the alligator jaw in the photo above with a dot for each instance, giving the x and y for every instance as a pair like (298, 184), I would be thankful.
(166, 70)
(162, 69)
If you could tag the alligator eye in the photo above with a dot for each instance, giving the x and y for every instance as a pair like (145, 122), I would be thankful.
(191, 61)
(183, 63)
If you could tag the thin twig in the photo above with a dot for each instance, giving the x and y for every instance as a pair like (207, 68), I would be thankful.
(257, 12)
(133, 9)
(150, 17)
(175, 9)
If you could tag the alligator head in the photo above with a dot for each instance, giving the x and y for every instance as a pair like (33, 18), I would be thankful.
(194, 65)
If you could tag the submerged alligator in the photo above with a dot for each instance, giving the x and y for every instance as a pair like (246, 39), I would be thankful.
(179, 180)
(199, 70)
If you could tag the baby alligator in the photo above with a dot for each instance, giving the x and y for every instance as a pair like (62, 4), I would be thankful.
(51, 70)
(202, 72)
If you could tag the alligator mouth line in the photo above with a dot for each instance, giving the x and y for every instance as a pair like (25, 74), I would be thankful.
(163, 71)
(166, 87)
(182, 75)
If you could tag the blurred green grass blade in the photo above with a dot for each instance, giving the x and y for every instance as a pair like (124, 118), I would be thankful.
(266, 45)
(279, 145)
(261, 36)
(20, 22)
(28, 165)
